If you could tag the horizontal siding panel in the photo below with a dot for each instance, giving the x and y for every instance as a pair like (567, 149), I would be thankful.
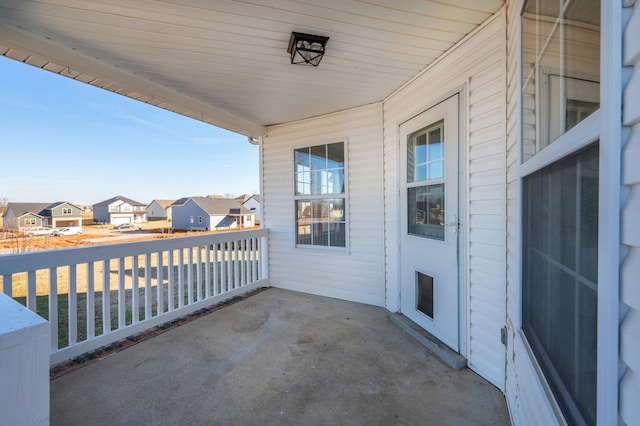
(630, 340)
(488, 237)
(631, 218)
(486, 176)
(630, 156)
(357, 275)
(478, 263)
(629, 273)
(482, 148)
(486, 120)
(490, 192)
(489, 163)
(490, 207)
(487, 222)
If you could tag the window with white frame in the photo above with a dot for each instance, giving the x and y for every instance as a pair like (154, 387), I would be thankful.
(67, 210)
(320, 196)
(30, 222)
(560, 197)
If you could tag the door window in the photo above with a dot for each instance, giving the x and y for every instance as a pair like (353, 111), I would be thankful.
(425, 182)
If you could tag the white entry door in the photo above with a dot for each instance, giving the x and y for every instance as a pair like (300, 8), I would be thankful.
(429, 221)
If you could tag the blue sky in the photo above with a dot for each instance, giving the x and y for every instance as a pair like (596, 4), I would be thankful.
(62, 140)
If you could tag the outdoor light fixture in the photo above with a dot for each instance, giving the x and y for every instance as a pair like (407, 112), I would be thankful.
(306, 49)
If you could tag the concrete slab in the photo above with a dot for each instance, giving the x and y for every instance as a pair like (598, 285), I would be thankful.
(278, 357)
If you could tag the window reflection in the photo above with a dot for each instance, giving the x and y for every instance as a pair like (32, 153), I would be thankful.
(425, 154)
(561, 69)
(319, 169)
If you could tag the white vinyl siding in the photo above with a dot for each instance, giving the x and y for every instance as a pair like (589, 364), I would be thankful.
(355, 275)
(630, 227)
(478, 65)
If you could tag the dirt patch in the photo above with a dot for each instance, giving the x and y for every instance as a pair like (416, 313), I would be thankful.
(92, 235)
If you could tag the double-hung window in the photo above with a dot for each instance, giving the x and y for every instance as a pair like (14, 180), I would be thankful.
(560, 197)
(320, 196)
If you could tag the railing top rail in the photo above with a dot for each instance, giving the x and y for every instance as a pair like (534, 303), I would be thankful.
(31, 261)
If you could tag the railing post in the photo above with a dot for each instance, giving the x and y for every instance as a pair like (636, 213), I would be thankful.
(73, 306)
(7, 287)
(53, 307)
(91, 305)
(31, 290)
(264, 257)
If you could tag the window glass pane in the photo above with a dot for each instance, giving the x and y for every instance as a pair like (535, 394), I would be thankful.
(335, 155)
(319, 175)
(425, 154)
(561, 68)
(319, 157)
(559, 278)
(426, 211)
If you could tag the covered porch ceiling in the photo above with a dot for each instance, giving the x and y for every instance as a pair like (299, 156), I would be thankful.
(225, 62)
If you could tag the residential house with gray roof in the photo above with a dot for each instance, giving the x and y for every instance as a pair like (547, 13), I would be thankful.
(61, 214)
(204, 213)
(159, 210)
(119, 210)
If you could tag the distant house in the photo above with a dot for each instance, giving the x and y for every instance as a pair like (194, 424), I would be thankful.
(20, 216)
(2, 210)
(204, 213)
(159, 210)
(119, 210)
(252, 203)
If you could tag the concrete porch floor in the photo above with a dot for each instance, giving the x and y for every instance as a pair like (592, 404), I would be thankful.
(277, 357)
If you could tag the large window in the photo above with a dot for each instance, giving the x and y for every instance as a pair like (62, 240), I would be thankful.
(320, 197)
(560, 197)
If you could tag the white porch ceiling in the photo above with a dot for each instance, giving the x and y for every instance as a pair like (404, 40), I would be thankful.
(225, 62)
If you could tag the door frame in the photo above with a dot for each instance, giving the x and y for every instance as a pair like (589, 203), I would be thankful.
(463, 196)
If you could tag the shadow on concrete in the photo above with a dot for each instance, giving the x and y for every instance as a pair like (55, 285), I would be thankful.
(278, 357)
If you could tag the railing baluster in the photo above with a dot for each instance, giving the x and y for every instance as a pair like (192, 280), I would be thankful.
(223, 267)
(181, 278)
(31, 290)
(53, 307)
(7, 284)
(242, 260)
(207, 272)
(190, 275)
(122, 306)
(135, 295)
(171, 281)
(199, 271)
(147, 286)
(230, 277)
(73, 306)
(106, 296)
(253, 259)
(91, 304)
(262, 259)
(216, 269)
(236, 264)
(160, 284)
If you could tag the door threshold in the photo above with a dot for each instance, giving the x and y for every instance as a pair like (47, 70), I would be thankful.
(426, 339)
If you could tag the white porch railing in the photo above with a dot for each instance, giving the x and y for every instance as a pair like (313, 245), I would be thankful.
(96, 295)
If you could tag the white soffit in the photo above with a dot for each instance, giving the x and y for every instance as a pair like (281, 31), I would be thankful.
(225, 62)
